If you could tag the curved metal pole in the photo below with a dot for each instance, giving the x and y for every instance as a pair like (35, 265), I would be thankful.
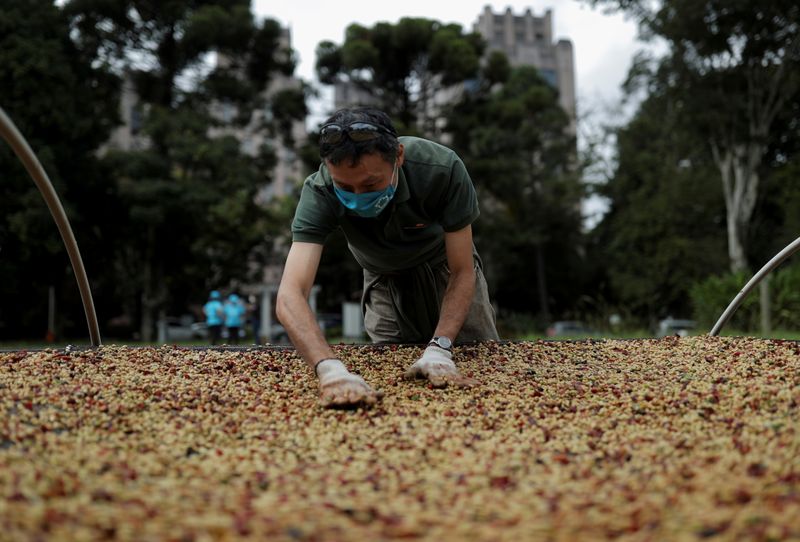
(793, 247)
(23, 151)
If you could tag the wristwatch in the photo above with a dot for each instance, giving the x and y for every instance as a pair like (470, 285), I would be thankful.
(442, 342)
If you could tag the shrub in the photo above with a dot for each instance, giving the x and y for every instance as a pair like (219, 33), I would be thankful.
(711, 296)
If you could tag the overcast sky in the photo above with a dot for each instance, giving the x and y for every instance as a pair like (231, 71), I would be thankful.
(603, 44)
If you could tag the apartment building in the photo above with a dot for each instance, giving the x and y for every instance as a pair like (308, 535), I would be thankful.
(527, 40)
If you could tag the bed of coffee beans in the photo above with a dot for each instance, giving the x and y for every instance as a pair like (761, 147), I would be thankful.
(671, 439)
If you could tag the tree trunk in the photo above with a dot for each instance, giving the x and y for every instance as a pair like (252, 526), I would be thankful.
(146, 330)
(153, 293)
(766, 306)
(736, 254)
(541, 281)
(738, 169)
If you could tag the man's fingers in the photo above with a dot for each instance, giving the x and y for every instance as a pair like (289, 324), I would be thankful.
(347, 395)
(442, 378)
(337, 400)
(463, 381)
(326, 399)
(414, 372)
(356, 394)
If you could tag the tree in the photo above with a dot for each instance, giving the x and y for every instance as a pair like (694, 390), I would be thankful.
(42, 72)
(664, 229)
(399, 67)
(514, 137)
(733, 67)
(190, 220)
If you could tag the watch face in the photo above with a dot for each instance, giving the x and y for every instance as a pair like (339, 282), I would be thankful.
(443, 342)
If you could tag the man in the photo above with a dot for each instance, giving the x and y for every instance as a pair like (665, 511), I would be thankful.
(234, 316)
(214, 313)
(406, 206)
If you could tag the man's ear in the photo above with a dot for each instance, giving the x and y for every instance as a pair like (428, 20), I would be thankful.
(401, 153)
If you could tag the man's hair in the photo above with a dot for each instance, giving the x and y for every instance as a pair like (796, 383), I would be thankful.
(386, 144)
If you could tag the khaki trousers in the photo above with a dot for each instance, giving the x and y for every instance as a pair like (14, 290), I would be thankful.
(380, 318)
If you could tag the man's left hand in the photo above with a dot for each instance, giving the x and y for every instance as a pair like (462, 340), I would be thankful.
(436, 364)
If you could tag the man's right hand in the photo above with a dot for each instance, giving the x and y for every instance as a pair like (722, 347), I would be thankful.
(340, 388)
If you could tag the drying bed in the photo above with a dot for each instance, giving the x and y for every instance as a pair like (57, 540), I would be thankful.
(671, 439)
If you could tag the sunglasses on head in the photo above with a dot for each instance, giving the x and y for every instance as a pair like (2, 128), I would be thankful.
(334, 133)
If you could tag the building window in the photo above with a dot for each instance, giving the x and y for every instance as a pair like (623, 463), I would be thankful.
(549, 76)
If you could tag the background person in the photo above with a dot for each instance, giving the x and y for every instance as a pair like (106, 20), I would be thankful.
(214, 313)
(234, 317)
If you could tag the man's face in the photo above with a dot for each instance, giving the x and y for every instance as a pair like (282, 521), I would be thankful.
(371, 174)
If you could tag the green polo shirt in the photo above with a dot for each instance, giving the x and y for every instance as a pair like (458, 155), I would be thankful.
(434, 195)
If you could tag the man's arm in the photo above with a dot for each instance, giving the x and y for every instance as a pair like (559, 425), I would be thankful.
(436, 364)
(292, 306)
(461, 287)
(338, 387)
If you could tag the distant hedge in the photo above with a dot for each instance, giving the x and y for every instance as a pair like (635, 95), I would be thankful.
(711, 296)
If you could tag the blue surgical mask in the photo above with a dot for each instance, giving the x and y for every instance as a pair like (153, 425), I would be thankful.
(368, 204)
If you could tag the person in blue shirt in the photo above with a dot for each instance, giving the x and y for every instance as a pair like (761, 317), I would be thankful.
(214, 313)
(234, 317)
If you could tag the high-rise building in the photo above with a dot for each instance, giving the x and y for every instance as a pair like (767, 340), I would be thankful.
(527, 40)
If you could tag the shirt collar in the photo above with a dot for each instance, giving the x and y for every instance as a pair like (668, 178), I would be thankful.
(402, 193)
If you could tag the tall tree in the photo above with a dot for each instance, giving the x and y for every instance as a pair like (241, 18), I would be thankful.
(400, 66)
(734, 67)
(665, 225)
(191, 220)
(65, 105)
(514, 137)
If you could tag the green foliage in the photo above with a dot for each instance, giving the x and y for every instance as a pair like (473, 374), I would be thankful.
(519, 152)
(497, 69)
(785, 293)
(726, 76)
(398, 65)
(65, 106)
(777, 222)
(287, 106)
(160, 224)
(711, 297)
(665, 226)
(730, 71)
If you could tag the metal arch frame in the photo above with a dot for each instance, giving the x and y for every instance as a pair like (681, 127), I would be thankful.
(790, 249)
(23, 151)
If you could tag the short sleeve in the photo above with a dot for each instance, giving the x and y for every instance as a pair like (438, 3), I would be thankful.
(460, 200)
(314, 218)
